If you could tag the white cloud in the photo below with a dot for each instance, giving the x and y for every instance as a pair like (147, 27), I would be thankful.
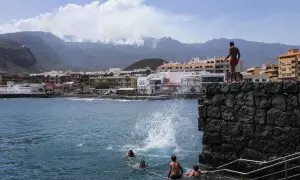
(128, 21)
(118, 21)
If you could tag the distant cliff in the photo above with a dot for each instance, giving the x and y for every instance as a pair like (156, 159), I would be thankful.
(15, 58)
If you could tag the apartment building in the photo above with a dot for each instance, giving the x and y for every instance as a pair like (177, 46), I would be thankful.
(212, 65)
(117, 82)
(255, 74)
(289, 65)
(271, 71)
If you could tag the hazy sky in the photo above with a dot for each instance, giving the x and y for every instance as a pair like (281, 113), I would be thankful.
(127, 21)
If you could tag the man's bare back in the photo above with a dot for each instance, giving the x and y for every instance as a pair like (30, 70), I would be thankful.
(175, 170)
(234, 52)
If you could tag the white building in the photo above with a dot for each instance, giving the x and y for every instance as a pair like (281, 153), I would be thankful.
(114, 70)
(161, 82)
(143, 85)
(193, 83)
(256, 77)
(12, 88)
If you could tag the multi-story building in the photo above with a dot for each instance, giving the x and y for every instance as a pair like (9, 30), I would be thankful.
(212, 65)
(256, 74)
(193, 83)
(117, 82)
(271, 71)
(289, 65)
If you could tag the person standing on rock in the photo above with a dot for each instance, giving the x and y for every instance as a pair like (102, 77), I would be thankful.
(234, 54)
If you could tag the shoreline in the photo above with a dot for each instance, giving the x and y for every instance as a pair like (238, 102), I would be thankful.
(126, 97)
(132, 97)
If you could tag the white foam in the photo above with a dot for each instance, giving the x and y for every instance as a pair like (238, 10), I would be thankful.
(81, 99)
(109, 147)
(160, 129)
(80, 145)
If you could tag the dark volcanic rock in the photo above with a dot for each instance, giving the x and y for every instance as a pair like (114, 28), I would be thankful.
(251, 154)
(256, 121)
(290, 87)
(228, 114)
(246, 114)
(261, 116)
(248, 87)
(218, 100)
(279, 102)
(273, 88)
(259, 89)
(214, 112)
(229, 100)
(235, 88)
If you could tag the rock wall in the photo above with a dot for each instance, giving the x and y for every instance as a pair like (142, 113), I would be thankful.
(250, 120)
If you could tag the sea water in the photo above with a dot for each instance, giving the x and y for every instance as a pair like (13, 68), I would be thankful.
(80, 138)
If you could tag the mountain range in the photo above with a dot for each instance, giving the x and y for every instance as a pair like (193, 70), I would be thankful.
(49, 52)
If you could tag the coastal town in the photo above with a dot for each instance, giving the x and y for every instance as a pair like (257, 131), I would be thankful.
(182, 79)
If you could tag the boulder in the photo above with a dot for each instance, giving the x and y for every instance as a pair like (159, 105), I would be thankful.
(260, 116)
(279, 102)
(217, 100)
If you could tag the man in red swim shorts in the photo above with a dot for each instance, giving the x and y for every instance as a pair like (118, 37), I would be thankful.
(235, 55)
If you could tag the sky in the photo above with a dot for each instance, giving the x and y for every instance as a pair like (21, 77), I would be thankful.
(129, 21)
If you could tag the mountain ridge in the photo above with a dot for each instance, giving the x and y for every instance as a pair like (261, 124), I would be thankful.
(53, 52)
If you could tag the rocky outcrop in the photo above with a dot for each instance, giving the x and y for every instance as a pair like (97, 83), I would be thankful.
(256, 121)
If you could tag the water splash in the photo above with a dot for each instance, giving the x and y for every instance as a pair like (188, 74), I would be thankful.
(161, 128)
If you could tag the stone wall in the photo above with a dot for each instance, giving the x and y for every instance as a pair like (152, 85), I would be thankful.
(256, 121)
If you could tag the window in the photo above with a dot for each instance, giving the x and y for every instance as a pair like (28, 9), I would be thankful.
(212, 79)
(256, 80)
(264, 80)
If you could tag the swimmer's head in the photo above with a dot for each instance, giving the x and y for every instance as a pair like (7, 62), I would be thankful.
(142, 163)
(130, 153)
(173, 158)
(231, 44)
(196, 168)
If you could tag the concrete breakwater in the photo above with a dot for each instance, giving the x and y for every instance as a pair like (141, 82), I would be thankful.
(256, 121)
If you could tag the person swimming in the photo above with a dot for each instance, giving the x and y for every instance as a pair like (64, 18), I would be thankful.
(175, 170)
(130, 154)
(195, 172)
(142, 164)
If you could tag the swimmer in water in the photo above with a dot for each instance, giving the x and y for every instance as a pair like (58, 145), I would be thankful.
(175, 170)
(130, 154)
(142, 164)
(195, 172)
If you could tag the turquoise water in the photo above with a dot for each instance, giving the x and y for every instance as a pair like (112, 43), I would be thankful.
(74, 138)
